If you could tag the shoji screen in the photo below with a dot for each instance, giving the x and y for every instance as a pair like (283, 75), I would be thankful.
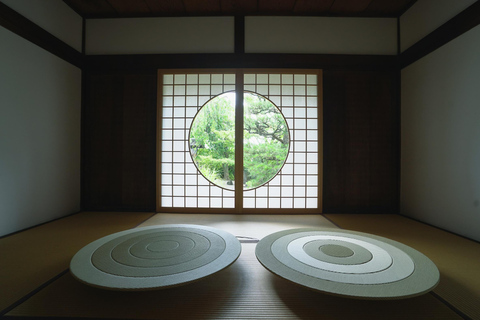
(297, 94)
(297, 185)
(180, 183)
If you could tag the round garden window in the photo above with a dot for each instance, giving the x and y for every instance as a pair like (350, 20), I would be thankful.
(266, 140)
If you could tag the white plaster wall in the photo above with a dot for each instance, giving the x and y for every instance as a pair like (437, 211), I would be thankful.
(425, 16)
(321, 35)
(54, 16)
(440, 162)
(160, 35)
(39, 135)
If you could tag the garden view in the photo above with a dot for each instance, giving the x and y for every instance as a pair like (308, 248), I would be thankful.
(265, 138)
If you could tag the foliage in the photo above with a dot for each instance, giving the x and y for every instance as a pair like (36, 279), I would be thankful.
(262, 118)
(215, 166)
(209, 173)
(262, 162)
(266, 139)
(212, 136)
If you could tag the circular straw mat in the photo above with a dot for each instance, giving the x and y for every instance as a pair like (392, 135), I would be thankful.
(348, 263)
(155, 257)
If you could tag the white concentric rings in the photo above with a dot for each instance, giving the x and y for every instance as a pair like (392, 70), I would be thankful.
(381, 260)
(348, 263)
(155, 257)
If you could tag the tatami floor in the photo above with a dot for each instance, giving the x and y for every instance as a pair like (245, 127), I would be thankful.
(35, 281)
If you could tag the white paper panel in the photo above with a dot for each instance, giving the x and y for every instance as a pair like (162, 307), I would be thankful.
(321, 35)
(160, 35)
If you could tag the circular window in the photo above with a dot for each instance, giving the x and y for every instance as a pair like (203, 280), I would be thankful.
(266, 140)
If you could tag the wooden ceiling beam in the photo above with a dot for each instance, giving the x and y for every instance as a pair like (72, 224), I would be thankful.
(271, 7)
(391, 8)
(166, 8)
(202, 7)
(92, 8)
(178, 8)
(349, 7)
(128, 7)
(307, 7)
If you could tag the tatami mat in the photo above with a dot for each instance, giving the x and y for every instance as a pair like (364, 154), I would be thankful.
(33, 257)
(244, 290)
(250, 226)
(457, 258)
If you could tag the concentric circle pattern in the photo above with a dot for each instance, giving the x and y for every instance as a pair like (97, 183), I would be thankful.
(155, 257)
(348, 263)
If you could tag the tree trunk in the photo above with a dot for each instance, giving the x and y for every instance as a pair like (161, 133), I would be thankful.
(286, 137)
(225, 172)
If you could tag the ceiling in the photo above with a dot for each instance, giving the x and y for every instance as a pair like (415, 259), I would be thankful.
(179, 8)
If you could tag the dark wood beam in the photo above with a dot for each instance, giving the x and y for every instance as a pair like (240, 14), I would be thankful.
(239, 34)
(121, 64)
(28, 30)
(458, 25)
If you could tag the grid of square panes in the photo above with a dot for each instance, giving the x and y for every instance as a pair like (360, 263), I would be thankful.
(296, 186)
(181, 183)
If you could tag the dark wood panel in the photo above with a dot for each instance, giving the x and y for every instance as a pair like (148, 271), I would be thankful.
(139, 134)
(23, 27)
(361, 145)
(102, 153)
(119, 143)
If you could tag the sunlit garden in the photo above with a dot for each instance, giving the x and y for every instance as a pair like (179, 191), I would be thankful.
(265, 140)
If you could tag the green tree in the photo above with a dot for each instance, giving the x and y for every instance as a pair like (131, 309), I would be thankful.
(266, 140)
(263, 118)
(212, 138)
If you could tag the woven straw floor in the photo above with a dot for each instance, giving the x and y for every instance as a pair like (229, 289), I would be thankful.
(244, 290)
